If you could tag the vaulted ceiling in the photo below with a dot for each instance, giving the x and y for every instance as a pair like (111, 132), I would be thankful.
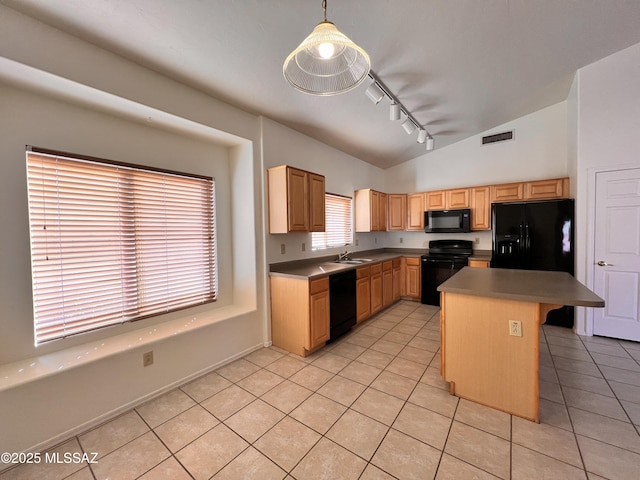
(460, 66)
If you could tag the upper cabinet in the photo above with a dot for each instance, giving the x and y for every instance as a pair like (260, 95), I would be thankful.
(415, 211)
(435, 200)
(507, 192)
(536, 190)
(371, 210)
(396, 211)
(458, 198)
(480, 208)
(296, 200)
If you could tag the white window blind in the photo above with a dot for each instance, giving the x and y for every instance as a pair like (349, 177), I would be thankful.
(114, 243)
(338, 231)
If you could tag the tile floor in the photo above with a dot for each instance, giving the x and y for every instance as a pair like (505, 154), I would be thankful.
(372, 406)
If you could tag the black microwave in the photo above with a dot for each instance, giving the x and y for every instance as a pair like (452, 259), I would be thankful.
(447, 221)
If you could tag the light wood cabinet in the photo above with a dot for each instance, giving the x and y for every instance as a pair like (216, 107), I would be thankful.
(547, 189)
(479, 263)
(396, 281)
(376, 288)
(396, 211)
(299, 313)
(480, 208)
(296, 200)
(415, 211)
(435, 200)
(387, 283)
(457, 198)
(363, 293)
(507, 192)
(370, 210)
(412, 277)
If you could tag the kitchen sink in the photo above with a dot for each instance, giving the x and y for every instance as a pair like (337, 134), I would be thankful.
(355, 261)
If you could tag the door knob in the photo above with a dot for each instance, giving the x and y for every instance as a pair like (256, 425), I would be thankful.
(602, 263)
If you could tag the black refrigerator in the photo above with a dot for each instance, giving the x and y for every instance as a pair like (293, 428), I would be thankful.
(535, 236)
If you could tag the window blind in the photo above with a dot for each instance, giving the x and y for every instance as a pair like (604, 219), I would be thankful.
(113, 243)
(338, 231)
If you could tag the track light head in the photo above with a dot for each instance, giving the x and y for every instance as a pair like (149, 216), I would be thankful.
(375, 93)
(422, 135)
(430, 144)
(394, 111)
(408, 126)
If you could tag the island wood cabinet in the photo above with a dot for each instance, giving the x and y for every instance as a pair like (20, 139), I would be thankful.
(413, 287)
(370, 210)
(415, 211)
(363, 293)
(396, 211)
(296, 200)
(299, 313)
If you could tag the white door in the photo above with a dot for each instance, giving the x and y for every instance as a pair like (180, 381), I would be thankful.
(617, 254)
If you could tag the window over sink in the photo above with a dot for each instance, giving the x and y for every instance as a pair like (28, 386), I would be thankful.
(339, 225)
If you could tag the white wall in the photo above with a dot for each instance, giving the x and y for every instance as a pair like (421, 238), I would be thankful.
(608, 106)
(539, 150)
(58, 92)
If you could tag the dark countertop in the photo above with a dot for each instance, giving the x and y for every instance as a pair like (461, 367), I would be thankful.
(522, 285)
(321, 266)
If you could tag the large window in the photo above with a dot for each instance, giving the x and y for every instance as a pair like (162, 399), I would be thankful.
(112, 243)
(338, 231)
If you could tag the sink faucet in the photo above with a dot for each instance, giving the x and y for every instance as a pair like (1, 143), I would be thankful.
(344, 256)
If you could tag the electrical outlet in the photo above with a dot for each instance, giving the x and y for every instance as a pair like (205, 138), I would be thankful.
(375, 239)
(515, 328)
(282, 248)
(401, 240)
(304, 247)
(477, 240)
(357, 242)
(147, 358)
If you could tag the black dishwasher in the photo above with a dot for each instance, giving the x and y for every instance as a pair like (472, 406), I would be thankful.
(342, 303)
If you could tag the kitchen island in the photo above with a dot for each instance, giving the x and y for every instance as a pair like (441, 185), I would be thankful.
(486, 357)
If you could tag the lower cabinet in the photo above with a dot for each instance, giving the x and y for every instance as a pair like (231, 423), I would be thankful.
(363, 293)
(299, 313)
(412, 278)
(397, 279)
(479, 263)
(387, 283)
(376, 288)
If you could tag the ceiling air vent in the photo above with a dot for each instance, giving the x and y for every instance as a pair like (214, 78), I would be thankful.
(498, 137)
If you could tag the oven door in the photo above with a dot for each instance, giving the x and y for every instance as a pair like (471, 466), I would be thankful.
(436, 270)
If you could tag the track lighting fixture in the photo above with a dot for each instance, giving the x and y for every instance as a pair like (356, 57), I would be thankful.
(394, 111)
(408, 126)
(375, 93)
(378, 90)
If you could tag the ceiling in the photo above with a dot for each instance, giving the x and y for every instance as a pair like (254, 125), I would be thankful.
(461, 67)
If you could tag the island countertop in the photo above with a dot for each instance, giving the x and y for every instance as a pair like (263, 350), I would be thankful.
(522, 285)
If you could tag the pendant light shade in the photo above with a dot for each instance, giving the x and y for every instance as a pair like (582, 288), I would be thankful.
(327, 62)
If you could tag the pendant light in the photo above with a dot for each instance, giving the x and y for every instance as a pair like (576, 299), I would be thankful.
(327, 62)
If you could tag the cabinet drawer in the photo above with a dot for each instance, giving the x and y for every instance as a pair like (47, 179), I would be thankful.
(376, 269)
(396, 263)
(363, 272)
(412, 260)
(479, 263)
(319, 285)
(388, 265)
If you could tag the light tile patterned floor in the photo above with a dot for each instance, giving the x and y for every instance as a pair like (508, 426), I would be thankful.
(372, 406)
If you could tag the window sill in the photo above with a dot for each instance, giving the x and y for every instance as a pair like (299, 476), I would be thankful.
(32, 369)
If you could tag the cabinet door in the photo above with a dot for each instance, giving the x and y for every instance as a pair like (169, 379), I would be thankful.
(382, 211)
(387, 283)
(415, 211)
(374, 210)
(479, 263)
(507, 192)
(319, 319)
(480, 209)
(413, 278)
(546, 189)
(316, 203)
(396, 280)
(435, 200)
(363, 298)
(376, 288)
(458, 198)
(298, 200)
(397, 211)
